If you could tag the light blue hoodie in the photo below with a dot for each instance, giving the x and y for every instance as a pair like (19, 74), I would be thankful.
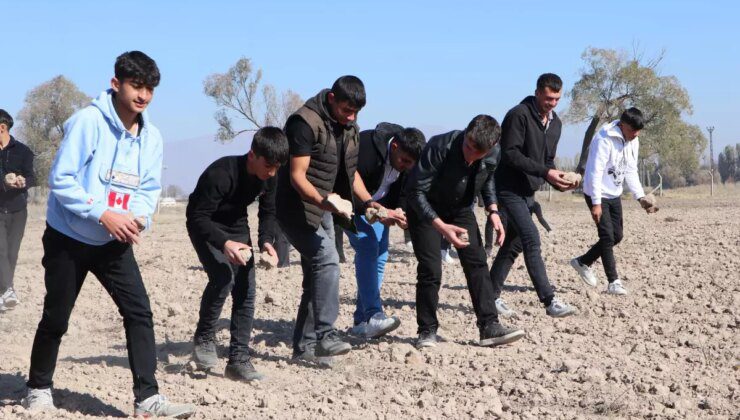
(96, 145)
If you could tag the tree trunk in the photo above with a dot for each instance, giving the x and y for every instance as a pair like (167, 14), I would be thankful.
(590, 131)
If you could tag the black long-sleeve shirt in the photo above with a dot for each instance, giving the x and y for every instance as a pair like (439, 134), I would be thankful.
(15, 158)
(528, 148)
(217, 208)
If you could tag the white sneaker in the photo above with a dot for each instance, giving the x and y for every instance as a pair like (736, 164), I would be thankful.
(358, 330)
(38, 400)
(380, 325)
(616, 288)
(585, 272)
(446, 257)
(9, 298)
(503, 309)
(158, 406)
(558, 309)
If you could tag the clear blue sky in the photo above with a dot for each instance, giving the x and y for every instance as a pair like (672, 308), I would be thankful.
(425, 63)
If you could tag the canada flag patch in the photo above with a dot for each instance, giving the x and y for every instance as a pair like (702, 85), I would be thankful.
(118, 200)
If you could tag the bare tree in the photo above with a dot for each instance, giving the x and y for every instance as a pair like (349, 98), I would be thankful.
(240, 93)
(42, 118)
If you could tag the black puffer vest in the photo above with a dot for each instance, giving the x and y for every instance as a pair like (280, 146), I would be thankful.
(324, 167)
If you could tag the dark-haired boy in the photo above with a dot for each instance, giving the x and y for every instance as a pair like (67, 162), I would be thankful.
(452, 169)
(386, 154)
(218, 227)
(324, 142)
(105, 183)
(612, 162)
(16, 177)
(529, 142)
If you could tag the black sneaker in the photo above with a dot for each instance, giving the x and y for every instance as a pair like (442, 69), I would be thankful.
(242, 370)
(495, 334)
(427, 339)
(204, 353)
(309, 355)
(331, 345)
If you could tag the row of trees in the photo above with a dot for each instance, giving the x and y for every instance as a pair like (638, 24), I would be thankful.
(728, 164)
(610, 81)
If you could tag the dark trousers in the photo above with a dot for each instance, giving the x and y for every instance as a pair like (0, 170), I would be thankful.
(282, 247)
(610, 234)
(339, 242)
(67, 262)
(489, 233)
(521, 235)
(12, 226)
(225, 278)
(427, 243)
(443, 245)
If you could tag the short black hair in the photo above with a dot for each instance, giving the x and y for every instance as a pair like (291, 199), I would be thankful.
(549, 80)
(349, 89)
(6, 119)
(138, 67)
(271, 144)
(411, 141)
(633, 117)
(484, 131)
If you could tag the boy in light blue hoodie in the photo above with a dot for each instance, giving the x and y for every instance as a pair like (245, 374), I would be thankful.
(104, 186)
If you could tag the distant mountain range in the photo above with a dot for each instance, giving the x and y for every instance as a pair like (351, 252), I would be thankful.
(185, 160)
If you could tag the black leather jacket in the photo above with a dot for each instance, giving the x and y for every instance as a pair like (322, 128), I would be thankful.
(433, 187)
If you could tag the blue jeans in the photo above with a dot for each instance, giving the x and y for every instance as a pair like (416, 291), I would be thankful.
(371, 253)
(319, 305)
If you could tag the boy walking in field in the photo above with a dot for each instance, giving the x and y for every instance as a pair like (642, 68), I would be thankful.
(104, 185)
(612, 162)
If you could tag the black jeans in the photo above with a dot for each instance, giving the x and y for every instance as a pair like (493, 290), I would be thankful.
(427, 242)
(521, 235)
(610, 234)
(225, 278)
(12, 226)
(339, 242)
(67, 262)
(489, 233)
(282, 247)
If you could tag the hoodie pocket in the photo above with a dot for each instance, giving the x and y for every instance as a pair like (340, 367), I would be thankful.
(120, 188)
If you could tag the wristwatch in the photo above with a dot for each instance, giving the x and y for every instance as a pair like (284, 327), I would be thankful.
(490, 212)
(367, 203)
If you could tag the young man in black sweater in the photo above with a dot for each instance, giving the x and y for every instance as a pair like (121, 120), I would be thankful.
(218, 228)
(529, 141)
(16, 177)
